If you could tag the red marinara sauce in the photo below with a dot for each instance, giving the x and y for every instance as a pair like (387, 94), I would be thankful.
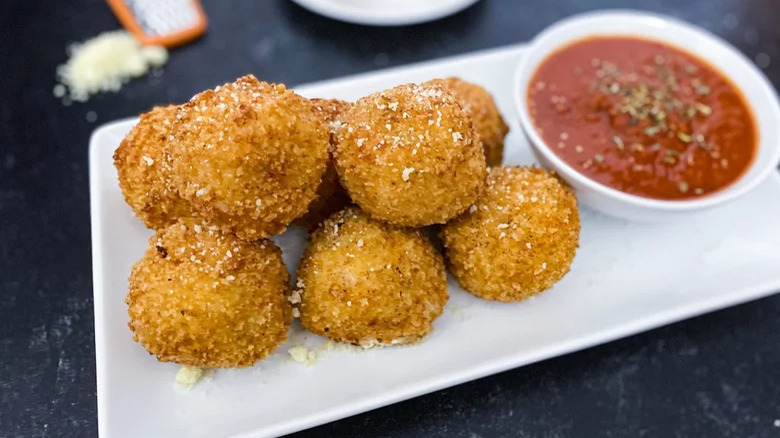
(642, 117)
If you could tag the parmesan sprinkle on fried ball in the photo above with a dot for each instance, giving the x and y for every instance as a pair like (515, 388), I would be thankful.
(331, 197)
(365, 282)
(485, 115)
(144, 167)
(249, 156)
(518, 240)
(203, 298)
(410, 156)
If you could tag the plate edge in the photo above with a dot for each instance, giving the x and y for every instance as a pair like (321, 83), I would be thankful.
(98, 285)
(604, 337)
(509, 49)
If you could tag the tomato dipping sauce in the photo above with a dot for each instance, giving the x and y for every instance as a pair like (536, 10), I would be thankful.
(642, 117)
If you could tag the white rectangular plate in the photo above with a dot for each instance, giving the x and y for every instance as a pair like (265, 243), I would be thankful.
(626, 278)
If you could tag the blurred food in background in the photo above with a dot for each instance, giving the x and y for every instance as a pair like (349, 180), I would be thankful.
(104, 63)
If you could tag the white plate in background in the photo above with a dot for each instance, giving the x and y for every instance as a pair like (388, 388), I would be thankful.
(626, 278)
(385, 12)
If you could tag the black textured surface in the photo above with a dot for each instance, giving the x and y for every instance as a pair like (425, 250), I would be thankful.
(716, 375)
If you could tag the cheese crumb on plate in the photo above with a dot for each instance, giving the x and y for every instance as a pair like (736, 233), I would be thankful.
(188, 376)
(303, 355)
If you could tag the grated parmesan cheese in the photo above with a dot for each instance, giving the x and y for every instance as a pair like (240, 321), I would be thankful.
(188, 376)
(303, 355)
(104, 63)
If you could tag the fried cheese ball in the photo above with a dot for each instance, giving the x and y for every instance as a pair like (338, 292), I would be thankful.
(249, 156)
(369, 283)
(484, 113)
(410, 156)
(518, 240)
(331, 197)
(201, 297)
(144, 167)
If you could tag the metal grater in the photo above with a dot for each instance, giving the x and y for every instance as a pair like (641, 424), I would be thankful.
(161, 22)
(163, 17)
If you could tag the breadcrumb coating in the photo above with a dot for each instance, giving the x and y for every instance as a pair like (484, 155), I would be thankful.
(204, 298)
(410, 156)
(518, 240)
(331, 197)
(143, 165)
(485, 115)
(249, 156)
(369, 283)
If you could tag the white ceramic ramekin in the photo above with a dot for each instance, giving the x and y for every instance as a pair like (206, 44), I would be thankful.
(759, 93)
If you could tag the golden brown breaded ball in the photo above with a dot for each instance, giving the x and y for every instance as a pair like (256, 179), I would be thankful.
(143, 164)
(484, 113)
(249, 156)
(331, 197)
(519, 238)
(204, 298)
(410, 156)
(369, 283)
(331, 109)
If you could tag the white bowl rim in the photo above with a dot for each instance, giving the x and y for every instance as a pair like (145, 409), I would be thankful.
(644, 19)
(392, 15)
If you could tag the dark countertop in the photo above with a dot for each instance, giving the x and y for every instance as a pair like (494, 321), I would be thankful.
(715, 375)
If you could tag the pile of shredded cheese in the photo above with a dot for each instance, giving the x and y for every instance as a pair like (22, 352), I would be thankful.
(105, 63)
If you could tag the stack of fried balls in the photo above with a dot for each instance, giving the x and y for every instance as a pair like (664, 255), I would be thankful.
(220, 175)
